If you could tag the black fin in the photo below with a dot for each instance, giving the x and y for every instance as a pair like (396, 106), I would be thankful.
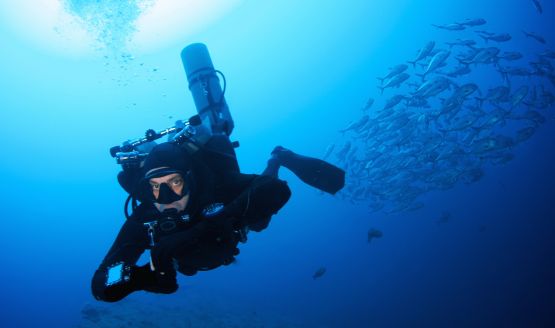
(312, 171)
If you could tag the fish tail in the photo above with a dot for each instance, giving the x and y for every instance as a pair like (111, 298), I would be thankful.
(413, 63)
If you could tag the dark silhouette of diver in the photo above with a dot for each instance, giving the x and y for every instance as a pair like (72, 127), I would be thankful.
(195, 207)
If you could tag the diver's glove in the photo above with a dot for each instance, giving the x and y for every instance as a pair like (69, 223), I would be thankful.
(143, 278)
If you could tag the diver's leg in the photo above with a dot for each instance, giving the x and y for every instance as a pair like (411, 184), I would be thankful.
(272, 167)
(315, 172)
(130, 243)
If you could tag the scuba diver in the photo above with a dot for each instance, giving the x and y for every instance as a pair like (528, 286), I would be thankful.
(191, 205)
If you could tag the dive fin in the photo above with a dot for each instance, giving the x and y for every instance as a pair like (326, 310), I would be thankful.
(312, 171)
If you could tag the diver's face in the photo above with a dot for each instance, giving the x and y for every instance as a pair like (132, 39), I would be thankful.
(176, 184)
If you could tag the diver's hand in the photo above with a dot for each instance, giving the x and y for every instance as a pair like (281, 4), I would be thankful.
(143, 278)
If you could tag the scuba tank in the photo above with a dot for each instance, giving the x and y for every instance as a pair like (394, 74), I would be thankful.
(204, 85)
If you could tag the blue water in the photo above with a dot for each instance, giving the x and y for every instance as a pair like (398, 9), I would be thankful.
(297, 72)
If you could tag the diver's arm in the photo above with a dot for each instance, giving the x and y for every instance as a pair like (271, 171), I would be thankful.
(130, 243)
(258, 201)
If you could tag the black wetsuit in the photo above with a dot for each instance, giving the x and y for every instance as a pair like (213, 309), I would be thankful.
(197, 242)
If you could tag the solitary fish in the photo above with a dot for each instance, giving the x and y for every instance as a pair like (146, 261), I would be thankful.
(320, 272)
(374, 233)
(538, 6)
(525, 134)
(535, 36)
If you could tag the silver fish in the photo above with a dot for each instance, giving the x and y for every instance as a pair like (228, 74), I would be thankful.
(530, 115)
(535, 36)
(343, 152)
(494, 118)
(393, 101)
(503, 37)
(513, 55)
(490, 144)
(368, 104)
(525, 134)
(459, 42)
(396, 70)
(474, 22)
(548, 54)
(519, 95)
(329, 150)
(450, 27)
(460, 123)
(432, 87)
(356, 125)
(436, 61)
(395, 82)
(424, 52)
(497, 94)
(486, 56)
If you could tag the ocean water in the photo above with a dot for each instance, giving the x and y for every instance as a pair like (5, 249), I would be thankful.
(477, 250)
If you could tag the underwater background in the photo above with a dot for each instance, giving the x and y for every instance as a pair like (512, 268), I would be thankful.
(447, 219)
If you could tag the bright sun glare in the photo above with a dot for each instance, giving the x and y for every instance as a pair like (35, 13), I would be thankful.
(83, 27)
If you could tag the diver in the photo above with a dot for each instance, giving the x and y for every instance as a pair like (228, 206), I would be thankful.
(192, 217)
(191, 205)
